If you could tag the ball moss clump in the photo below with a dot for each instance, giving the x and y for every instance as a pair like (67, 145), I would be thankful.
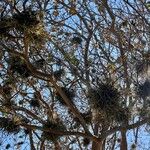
(68, 92)
(9, 126)
(5, 25)
(143, 65)
(8, 103)
(53, 126)
(86, 141)
(133, 147)
(7, 146)
(103, 97)
(122, 115)
(143, 90)
(35, 102)
(144, 112)
(6, 91)
(76, 40)
(87, 116)
(118, 140)
(18, 65)
(58, 74)
(26, 18)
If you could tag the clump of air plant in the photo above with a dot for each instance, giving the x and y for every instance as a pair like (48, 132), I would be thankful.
(98, 115)
(34, 102)
(7, 88)
(3, 31)
(26, 131)
(18, 65)
(5, 26)
(20, 143)
(10, 81)
(76, 40)
(6, 91)
(118, 140)
(58, 74)
(26, 18)
(8, 125)
(8, 103)
(87, 116)
(104, 97)
(104, 101)
(133, 147)
(68, 92)
(39, 63)
(142, 66)
(53, 126)
(8, 146)
(122, 115)
(143, 90)
(144, 112)
(86, 141)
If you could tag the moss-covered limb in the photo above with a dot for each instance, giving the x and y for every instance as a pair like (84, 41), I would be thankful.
(69, 93)
(49, 77)
(31, 141)
(34, 116)
(61, 133)
(8, 125)
(126, 127)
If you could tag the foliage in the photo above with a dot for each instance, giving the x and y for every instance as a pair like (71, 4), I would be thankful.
(74, 74)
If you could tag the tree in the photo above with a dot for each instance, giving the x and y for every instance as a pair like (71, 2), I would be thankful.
(74, 74)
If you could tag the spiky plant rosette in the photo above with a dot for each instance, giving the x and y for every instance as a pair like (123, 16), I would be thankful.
(86, 142)
(35, 102)
(122, 115)
(52, 125)
(6, 91)
(98, 115)
(8, 125)
(143, 66)
(87, 116)
(76, 40)
(68, 92)
(18, 65)
(143, 90)
(144, 112)
(6, 24)
(104, 97)
(8, 103)
(26, 19)
(58, 74)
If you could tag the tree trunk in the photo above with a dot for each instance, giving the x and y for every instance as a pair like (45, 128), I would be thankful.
(124, 145)
(57, 146)
(97, 146)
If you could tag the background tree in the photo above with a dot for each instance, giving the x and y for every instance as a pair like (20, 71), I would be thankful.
(74, 74)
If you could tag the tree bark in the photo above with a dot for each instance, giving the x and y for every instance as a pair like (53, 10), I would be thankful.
(95, 145)
(57, 146)
(124, 145)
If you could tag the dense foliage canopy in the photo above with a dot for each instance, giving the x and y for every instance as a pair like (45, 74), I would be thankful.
(74, 74)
